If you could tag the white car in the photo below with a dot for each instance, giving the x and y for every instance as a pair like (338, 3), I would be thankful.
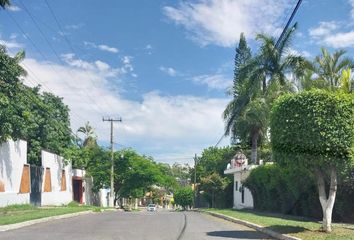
(151, 207)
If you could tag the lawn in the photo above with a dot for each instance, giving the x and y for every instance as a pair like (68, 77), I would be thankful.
(294, 226)
(21, 213)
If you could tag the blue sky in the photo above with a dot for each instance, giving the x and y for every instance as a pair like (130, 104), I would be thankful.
(163, 66)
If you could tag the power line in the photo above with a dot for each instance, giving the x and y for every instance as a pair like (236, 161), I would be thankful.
(38, 50)
(277, 43)
(288, 23)
(68, 42)
(96, 108)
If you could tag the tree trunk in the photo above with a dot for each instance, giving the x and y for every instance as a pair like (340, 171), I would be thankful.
(136, 203)
(327, 203)
(255, 137)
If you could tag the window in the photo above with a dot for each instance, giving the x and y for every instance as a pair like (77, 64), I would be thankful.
(63, 181)
(47, 181)
(25, 180)
(236, 186)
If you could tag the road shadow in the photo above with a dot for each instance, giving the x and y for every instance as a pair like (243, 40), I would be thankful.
(283, 229)
(239, 234)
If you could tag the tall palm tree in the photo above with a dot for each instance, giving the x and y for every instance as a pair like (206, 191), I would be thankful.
(4, 3)
(90, 136)
(275, 65)
(329, 67)
(262, 78)
(252, 124)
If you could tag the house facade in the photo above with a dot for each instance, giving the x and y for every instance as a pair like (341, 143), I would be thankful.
(239, 168)
(54, 183)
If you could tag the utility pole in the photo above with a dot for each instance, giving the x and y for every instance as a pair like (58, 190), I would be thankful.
(288, 23)
(111, 196)
(195, 179)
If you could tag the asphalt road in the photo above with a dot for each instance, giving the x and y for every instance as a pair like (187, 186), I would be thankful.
(143, 225)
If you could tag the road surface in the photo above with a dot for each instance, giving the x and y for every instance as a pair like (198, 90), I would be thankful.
(143, 225)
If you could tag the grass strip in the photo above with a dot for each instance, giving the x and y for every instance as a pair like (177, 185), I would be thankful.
(295, 226)
(21, 213)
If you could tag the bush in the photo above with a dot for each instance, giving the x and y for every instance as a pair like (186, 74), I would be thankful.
(293, 191)
(314, 128)
(279, 189)
(184, 197)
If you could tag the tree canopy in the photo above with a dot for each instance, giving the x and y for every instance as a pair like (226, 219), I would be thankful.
(26, 113)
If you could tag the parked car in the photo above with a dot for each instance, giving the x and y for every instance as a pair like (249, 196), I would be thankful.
(151, 207)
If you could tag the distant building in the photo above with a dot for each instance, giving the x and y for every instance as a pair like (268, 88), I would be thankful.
(239, 167)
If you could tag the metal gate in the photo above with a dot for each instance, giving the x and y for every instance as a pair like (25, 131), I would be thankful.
(36, 185)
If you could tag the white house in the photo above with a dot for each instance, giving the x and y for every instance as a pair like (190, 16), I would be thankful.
(52, 183)
(239, 167)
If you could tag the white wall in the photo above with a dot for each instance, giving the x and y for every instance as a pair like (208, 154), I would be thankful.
(56, 165)
(103, 197)
(248, 199)
(13, 156)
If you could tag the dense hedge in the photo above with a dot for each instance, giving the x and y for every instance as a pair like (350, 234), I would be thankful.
(313, 128)
(309, 130)
(293, 191)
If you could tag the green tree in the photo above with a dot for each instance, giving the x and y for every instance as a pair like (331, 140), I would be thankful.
(240, 92)
(258, 81)
(315, 129)
(4, 3)
(329, 67)
(183, 197)
(90, 139)
(214, 161)
(135, 174)
(40, 118)
(12, 102)
(214, 184)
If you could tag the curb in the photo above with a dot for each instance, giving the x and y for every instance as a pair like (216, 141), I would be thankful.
(4, 228)
(252, 225)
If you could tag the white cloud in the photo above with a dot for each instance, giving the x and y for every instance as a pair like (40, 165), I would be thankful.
(340, 40)
(127, 64)
(305, 54)
(13, 8)
(324, 29)
(157, 125)
(106, 48)
(74, 26)
(102, 68)
(12, 44)
(169, 71)
(351, 2)
(328, 33)
(335, 34)
(221, 21)
(102, 47)
(217, 81)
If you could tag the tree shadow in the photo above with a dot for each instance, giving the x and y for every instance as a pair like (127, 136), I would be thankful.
(284, 229)
(279, 215)
(239, 234)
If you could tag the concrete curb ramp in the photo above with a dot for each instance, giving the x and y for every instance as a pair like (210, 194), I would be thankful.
(254, 226)
(4, 228)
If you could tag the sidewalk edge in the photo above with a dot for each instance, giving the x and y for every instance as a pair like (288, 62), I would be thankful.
(252, 225)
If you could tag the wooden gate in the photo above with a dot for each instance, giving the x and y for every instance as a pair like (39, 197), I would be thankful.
(36, 185)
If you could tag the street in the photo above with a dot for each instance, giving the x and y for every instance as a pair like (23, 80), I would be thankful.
(136, 225)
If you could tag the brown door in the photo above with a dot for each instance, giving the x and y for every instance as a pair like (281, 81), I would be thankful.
(77, 190)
